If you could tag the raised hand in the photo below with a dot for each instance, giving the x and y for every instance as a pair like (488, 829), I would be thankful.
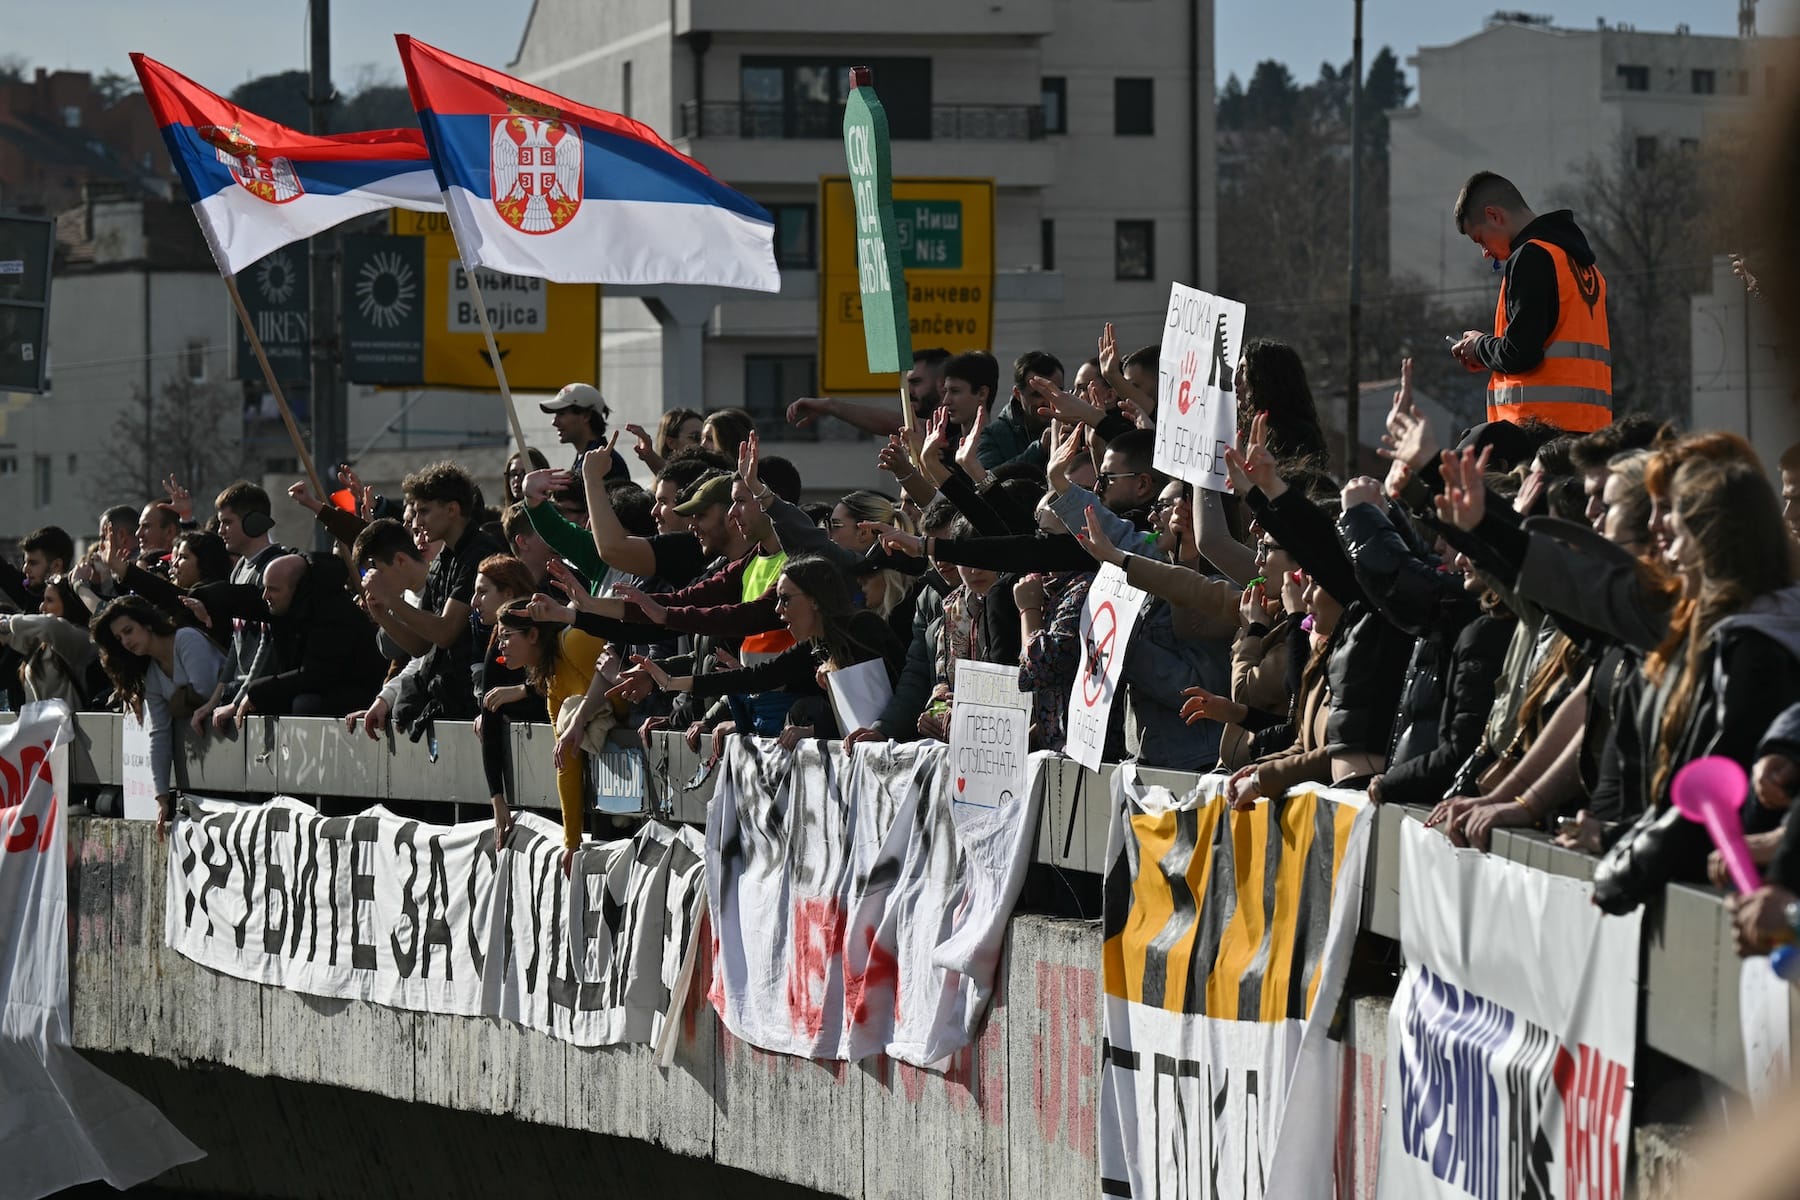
(1464, 499)
(302, 495)
(1361, 490)
(1410, 439)
(1109, 351)
(543, 608)
(537, 485)
(804, 411)
(937, 438)
(199, 610)
(1052, 401)
(1093, 539)
(748, 456)
(893, 459)
(658, 676)
(1257, 465)
(895, 540)
(966, 450)
(642, 444)
(596, 463)
(179, 499)
(1062, 459)
(633, 595)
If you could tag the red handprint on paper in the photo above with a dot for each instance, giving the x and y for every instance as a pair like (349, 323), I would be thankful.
(1190, 366)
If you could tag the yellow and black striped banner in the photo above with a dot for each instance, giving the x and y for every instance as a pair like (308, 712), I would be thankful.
(1223, 914)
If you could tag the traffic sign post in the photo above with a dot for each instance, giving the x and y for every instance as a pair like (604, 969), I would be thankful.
(881, 281)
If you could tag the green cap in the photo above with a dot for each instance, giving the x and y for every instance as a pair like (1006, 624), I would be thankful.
(715, 489)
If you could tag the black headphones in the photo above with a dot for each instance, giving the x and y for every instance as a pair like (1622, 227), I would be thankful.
(255, 524)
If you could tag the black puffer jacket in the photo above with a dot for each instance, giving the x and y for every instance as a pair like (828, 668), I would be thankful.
(1370, 655)
(1404, 581)
(1751, 676)
(1469, 678)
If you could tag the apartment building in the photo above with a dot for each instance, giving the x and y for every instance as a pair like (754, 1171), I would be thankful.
(1536, 103)
(1093, 119)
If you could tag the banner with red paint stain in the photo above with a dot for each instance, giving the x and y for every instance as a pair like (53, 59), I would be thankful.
(856, 907)
(1510, 1049)
(63, 1121)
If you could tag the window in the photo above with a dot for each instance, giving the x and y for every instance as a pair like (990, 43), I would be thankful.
(1134, 107)
(771, 383)
(1634, 79)
(1134, 250)
(804, 98)
(625, 88)
(72, 461)
(1055, 93)
(1705, 83)
(72, 116)
(196, 360)
(1645, 152)
(9, 465)
(40, 480)
(796, 242)
(1047, 244)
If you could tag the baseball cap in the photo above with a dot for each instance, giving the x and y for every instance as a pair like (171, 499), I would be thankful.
(577, 395)
(713, 490)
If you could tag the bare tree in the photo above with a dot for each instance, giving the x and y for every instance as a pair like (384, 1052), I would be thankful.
(192, 430)
(1643, 207)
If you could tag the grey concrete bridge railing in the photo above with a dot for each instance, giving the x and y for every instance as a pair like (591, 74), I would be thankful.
(1015, 1117)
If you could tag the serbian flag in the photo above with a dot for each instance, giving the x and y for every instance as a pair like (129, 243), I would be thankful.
(539, 185)
(256, 186)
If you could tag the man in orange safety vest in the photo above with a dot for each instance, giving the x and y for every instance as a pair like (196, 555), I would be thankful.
(1550, 355)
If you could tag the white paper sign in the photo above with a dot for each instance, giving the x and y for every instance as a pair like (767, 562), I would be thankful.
(1196, 408)
(859, 694)
(990, 735)
(139, 779)
(1107, 619)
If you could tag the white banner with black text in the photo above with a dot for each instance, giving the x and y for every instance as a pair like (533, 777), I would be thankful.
(429, 918)
(858, 906)
(1512, 1039)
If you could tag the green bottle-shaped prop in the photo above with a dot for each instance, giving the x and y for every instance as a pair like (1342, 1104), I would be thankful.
(887, 333)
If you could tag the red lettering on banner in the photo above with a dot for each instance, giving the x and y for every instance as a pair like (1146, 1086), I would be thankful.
(881, 972)
(818, 939)
(15, 786)
(1062, 1066)
(1593, 1096)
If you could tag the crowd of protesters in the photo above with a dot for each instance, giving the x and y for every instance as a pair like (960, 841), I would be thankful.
(1519, 626)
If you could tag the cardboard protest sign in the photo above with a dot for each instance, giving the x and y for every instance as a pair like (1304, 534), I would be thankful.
(990, 735)
(1196, 406)
(1107, 619)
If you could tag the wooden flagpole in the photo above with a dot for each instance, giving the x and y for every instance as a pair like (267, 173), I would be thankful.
(287, 414)
(487, 331)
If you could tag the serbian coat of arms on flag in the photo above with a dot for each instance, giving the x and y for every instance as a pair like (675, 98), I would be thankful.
(536, 163)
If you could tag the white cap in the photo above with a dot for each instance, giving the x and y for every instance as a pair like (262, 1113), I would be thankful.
(577, 395)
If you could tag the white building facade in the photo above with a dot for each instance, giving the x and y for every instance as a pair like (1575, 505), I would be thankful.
(1536, 103)
(1094, 118)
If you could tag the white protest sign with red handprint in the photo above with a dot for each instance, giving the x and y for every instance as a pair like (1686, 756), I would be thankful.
(1196, 408)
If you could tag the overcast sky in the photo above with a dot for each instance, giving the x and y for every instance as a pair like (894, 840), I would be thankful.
(223, 42)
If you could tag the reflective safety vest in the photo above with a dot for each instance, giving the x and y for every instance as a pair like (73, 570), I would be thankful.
(1572, 387)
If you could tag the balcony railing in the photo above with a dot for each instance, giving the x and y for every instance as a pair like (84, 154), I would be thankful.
(949, 122)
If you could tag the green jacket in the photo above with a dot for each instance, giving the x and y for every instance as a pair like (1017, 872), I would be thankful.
(568, 540)
(1007, 439)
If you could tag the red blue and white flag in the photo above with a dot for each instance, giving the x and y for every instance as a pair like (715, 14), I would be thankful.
(256, 186)
(539, 185)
